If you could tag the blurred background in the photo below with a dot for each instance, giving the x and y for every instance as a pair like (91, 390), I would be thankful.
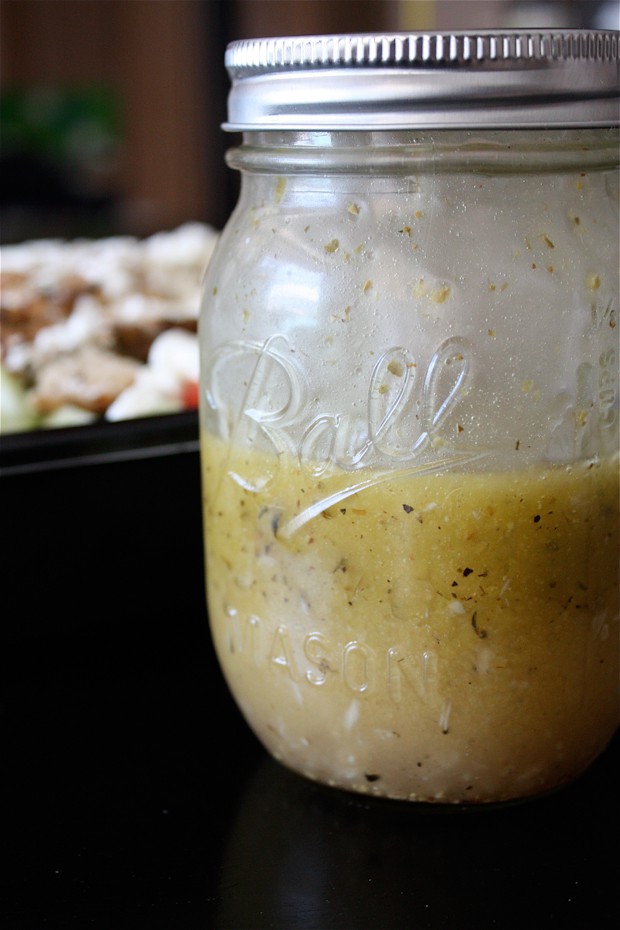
(110, 110)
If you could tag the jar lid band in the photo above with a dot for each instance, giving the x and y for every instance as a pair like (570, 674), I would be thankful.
(425, 80)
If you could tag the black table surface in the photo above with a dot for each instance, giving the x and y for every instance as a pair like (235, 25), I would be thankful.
(134, 795)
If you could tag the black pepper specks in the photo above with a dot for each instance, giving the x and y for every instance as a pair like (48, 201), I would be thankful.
(371, 777)
(481, 634)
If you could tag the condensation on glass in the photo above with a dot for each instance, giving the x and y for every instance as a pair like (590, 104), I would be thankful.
(409, 410)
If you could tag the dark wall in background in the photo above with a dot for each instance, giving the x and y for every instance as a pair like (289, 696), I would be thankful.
(161, 63)
(160, 66)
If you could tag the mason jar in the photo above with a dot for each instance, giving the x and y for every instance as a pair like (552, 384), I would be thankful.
(409, 409)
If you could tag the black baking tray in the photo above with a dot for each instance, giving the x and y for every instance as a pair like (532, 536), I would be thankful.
(111, 510)
(102, 441)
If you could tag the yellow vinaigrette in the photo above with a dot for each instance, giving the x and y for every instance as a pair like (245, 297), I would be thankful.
(447, 637)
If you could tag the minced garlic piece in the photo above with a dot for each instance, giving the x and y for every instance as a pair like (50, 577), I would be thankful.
(441, 294)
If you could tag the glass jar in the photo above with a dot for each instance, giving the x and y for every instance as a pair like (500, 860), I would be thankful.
(409, 410)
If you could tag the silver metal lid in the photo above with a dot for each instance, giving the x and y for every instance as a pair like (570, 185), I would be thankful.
(425, 80)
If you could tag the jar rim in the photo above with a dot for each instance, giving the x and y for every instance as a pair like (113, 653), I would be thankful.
(434, 80)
